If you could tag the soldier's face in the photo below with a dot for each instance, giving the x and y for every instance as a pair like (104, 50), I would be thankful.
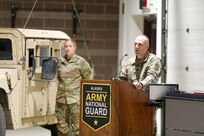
(69, 48)
(140, 47)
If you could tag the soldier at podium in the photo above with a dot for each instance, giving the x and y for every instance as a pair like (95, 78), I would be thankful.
(142, 69)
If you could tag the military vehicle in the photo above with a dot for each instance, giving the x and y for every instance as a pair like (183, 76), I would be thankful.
(28, 76)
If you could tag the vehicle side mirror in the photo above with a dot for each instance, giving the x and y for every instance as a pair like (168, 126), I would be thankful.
(49, 68)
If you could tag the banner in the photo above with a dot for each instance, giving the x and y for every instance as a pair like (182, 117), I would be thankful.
(96, 110)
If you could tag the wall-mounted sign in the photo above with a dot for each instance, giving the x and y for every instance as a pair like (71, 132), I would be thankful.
(96, 105)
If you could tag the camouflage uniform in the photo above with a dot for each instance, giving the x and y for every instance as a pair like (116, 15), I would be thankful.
(146, 71)
(70, 74)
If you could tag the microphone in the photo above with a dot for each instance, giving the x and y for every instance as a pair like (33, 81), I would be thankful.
(116, 69)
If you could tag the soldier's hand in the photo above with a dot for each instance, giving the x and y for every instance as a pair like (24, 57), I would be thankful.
(138, 85)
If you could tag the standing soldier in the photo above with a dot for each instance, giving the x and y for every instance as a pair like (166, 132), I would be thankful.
(142, 69)
(72, 68)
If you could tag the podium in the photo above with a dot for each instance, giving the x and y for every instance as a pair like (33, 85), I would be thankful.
(114, 108)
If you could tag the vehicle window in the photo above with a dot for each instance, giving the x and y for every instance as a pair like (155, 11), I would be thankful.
(44, 52)
(5, 49)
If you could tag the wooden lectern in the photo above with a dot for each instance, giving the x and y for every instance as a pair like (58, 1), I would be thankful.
(129, 114)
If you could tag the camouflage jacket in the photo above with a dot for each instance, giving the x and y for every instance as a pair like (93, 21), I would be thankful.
(146, 70)
(70, 74)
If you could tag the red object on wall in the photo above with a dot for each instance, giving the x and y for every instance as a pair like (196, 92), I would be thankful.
(143, 3)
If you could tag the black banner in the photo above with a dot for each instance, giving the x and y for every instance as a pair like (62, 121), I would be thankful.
(96, 105)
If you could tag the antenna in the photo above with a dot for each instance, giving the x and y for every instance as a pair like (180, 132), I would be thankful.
(23, 50)
(84, 35)
(30, 14)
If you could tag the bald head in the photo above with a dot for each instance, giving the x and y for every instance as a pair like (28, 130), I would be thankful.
(143, 39)
(141, 45)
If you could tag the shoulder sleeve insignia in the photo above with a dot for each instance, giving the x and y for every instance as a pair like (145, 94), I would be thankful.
(156, 67)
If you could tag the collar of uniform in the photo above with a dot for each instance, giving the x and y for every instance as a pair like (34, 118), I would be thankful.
(73, 59)
(144, 59)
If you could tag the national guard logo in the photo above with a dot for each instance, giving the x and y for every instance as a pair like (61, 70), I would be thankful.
(96, 105)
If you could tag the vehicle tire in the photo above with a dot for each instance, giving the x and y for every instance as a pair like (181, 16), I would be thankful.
(2, 122)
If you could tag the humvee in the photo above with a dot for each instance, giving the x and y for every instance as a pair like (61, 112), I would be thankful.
(28, 76)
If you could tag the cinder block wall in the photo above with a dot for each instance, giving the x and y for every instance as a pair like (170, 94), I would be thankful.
(99, 19)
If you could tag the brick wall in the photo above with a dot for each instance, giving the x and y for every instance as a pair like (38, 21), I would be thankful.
(99, 19)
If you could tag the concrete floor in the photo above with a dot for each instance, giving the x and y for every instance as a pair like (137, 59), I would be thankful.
(34, 131)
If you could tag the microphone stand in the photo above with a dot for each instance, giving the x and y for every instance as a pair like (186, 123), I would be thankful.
(116, 69)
